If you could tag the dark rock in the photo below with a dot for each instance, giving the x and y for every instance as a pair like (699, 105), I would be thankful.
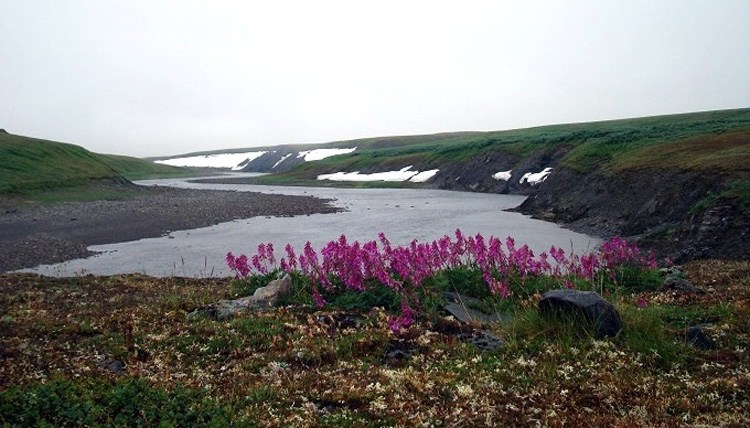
(680, 285)
(400, 351)
(588, 303)
(115, 366)
(696, 337)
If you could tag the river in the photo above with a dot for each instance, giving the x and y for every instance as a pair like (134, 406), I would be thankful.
(402, 214)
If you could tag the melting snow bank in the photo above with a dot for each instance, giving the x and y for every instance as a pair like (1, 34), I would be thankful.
(536, 177)
(285, 157)
(318, 154)
(235, 161)
(404, 174)
(502, 175)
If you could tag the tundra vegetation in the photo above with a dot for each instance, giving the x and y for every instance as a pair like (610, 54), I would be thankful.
(343, 348)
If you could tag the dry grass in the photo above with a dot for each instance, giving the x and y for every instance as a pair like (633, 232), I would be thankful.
(728, 153)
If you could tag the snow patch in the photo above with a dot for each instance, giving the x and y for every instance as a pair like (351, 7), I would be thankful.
(404, 174)
(235, 161)
(318, 154)
(423, 176)
(536, 177)
(502, 175)
(281, 160)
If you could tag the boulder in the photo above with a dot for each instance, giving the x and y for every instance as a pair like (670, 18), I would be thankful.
(268, 296)
(264, 298)
(587, 303)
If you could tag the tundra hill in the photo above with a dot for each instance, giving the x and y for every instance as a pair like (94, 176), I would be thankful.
(681, 181)
(29, 166)
(608, 147)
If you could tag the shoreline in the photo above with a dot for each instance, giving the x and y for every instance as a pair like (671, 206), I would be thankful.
(36, 234)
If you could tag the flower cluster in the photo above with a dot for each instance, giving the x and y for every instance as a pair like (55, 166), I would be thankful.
(405, 268)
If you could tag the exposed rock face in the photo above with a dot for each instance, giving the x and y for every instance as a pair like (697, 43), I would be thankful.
(588, 303)
(645, 202)
(628, 203)
(722, 231)
(281, 159)
(476, 175)
(264, 298)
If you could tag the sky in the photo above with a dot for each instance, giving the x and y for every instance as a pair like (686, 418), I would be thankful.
(148, 78)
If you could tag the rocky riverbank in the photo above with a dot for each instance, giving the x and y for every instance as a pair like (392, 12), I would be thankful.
(34, 234)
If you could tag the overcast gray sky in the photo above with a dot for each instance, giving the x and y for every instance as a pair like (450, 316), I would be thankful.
(165, 77)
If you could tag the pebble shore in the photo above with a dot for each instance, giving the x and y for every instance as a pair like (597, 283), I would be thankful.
(31, 235)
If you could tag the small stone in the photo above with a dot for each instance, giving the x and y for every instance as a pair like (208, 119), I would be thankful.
(485, 340)
(115, 366)
(696, 337)
(680, 285)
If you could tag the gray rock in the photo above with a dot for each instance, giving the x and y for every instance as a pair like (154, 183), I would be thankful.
(680, 285)
(268, 296)
(696, 337)
(264, 298)
(587, 303)
(462, 308)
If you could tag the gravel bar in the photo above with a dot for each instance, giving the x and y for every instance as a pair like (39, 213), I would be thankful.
(31, 235)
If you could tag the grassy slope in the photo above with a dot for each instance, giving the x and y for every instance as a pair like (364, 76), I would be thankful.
(716, 139)
(30, 165)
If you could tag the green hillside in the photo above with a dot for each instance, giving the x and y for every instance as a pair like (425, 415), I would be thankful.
(29, 165)
(715, 139)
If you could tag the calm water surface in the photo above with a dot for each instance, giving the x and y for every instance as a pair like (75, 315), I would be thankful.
(403, 214)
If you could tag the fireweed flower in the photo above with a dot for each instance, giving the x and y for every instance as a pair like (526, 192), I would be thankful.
(640, 302)
(404, 269)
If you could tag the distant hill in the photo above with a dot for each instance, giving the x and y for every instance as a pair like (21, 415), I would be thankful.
(30, 165)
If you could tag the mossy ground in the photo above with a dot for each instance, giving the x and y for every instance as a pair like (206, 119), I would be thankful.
(300, 366)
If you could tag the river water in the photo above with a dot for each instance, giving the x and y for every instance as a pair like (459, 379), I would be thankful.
(402, 214)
